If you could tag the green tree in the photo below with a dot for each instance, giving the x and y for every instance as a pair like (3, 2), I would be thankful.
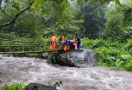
(93, 16)
(118, 23)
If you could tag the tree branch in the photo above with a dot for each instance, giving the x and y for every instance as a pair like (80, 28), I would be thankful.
(12, 22)
(0, 2)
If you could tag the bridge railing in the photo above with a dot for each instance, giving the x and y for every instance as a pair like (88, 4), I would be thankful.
(11, 46)
(20, 46)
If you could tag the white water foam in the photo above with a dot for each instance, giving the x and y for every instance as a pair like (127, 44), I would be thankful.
(29, 70)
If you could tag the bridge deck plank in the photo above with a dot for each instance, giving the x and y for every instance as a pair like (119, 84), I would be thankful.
(27, 52)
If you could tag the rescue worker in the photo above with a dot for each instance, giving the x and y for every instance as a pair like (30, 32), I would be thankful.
(53, 42)
(67, 45)
(78, 42)
(62, 41)
(72, 43)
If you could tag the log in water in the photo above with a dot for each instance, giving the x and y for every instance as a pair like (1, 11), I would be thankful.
(34, 70)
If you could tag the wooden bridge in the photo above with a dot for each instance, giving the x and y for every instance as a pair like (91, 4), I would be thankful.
(30, 48)
(29, 52)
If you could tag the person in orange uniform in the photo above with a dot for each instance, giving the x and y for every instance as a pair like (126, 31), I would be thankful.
(53, 42)
(62, 41)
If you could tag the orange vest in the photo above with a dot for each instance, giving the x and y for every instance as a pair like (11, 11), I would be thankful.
(53, 39)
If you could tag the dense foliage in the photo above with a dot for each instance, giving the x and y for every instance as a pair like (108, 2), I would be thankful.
(104, 25)
(112, 54)
(93, 15)
(118, 25)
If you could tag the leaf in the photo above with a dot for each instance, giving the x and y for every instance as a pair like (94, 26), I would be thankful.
(81, 1)
(117, 2)
(118, 63)
(37, 3)
(125, 56)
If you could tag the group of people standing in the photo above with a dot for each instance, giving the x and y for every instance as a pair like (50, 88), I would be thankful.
(65, 44)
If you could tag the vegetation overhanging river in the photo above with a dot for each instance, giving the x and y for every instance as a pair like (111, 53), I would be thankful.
(29, 70)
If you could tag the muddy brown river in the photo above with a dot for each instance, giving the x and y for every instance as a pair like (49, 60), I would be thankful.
(29, 70)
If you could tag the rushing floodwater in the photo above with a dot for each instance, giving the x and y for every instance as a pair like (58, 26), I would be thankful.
(28, 70)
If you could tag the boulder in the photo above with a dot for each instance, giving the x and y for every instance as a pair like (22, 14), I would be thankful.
(77, 58)
(39, 86)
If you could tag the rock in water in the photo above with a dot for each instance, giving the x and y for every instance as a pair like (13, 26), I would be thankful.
(37, 86)
(77, 58)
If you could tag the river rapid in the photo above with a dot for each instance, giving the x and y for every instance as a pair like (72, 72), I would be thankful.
(30, 70)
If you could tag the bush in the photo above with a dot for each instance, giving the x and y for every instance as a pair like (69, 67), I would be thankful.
(109, 53)
(128, 66)
(15, 86)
